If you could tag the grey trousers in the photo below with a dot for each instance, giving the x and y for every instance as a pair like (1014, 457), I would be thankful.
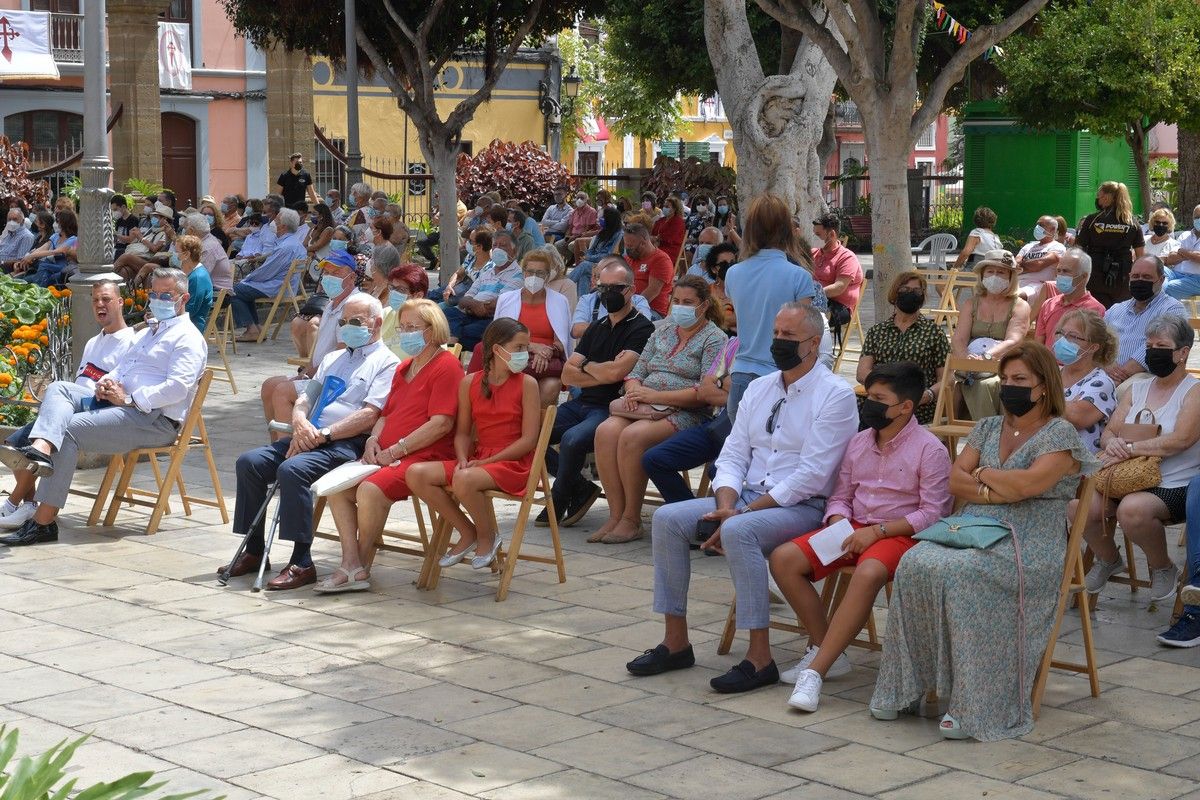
(62, 422)
(747, 539)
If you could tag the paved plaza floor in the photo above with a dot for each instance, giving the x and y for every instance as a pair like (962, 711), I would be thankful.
(400, 693)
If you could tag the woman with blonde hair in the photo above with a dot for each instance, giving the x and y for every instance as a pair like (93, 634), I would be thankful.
(1113, 239)
(1084, 346)
(1160, 242)
(990, 323)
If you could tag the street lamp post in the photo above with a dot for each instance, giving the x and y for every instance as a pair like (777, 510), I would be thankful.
(96, 230)
(354, 173)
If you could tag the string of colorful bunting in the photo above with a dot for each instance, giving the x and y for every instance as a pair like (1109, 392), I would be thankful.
(958, 32)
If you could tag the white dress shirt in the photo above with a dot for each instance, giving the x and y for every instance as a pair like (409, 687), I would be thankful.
(101, 355)
(813, 425)
(162, 368)
(367, 371)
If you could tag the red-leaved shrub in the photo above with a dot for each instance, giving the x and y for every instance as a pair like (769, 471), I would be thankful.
(519, 172)
(14, 175)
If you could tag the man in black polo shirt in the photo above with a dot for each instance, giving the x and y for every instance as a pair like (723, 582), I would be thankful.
(295, 184)
(605, 354)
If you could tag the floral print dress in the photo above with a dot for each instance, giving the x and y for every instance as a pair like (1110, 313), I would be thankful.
(1098, 389)
(953, 621)
(665, 366)
(924, 344)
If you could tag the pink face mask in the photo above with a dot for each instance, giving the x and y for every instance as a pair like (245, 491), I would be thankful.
(647, 205)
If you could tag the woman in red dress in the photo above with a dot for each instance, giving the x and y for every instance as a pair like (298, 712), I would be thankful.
(499, 411)
(670, 229)
(416, 425)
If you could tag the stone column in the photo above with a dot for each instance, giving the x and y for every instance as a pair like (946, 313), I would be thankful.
(133, 83)
(289, 110)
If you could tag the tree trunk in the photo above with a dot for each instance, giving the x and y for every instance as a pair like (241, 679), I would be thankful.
(1188, 193)
(777, 120)
(890, 236)
(1136, 137)
(443, 159)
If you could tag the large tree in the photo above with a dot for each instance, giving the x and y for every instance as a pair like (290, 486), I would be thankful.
(875, 49)
(408, 43)
(1114, 67)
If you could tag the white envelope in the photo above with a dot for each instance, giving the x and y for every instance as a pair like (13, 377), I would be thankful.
(339, 479)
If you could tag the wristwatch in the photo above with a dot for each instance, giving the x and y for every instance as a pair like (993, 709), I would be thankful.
(325, 432)
(883, 530)
(128, 399)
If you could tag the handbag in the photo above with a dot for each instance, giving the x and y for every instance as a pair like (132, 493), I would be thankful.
(1137, 473)
(651, 411)
(966, 531)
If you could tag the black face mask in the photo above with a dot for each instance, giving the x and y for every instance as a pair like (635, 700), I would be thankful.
(1160, 361)
(1161, 229)
(874, 414)
(1016, 399)
(786, 354)
(723, 269)
(613, 301)
(1098, 206)
(909, 302)
(1141, 290)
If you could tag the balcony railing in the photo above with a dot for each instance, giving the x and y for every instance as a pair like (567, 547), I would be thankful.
(66, 38)
(847, 116)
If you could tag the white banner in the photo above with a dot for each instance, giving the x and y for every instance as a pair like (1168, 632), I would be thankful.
(25, 45)
(174, 55)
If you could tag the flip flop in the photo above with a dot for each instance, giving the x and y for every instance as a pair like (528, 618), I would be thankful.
(327, 586)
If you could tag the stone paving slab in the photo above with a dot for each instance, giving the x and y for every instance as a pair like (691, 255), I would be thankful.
(401, 694)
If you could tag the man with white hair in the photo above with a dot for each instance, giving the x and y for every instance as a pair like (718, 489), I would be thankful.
(265, 280)
(1038, 257)
(1068, 292)
(16, 241)
(709, 238)
(140, 403)
(316, 446)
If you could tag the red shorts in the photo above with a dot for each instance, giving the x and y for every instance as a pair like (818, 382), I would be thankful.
(886, 551)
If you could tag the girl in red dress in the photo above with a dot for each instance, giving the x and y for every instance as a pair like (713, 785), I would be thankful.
(499, 411)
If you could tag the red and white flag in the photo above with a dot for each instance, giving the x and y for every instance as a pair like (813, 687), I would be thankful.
(25, 45)
(174, 55)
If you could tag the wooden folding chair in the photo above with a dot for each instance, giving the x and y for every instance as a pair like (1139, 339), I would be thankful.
(215, 335)
(394, 541)
(946, 425)
(289, 291)
(192, 436)
(537, 493)
(1071, 583)
(854, 327)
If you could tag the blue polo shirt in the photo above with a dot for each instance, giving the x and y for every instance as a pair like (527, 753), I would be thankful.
(758, 287)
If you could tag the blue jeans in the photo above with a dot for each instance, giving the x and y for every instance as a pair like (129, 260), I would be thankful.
(1181, 285)
(48, 273)
(738, 381)
(1192, 526)
(687, 449)
(575, 434)
(582, 276)
(466, 329)
(245, 310)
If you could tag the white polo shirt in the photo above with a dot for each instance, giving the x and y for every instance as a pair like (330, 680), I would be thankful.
(101, 355)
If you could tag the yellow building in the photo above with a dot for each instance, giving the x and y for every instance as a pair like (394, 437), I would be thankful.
(706, 135)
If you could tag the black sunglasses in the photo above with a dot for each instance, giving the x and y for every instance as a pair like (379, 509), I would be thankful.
(355, 321)
(775, 414)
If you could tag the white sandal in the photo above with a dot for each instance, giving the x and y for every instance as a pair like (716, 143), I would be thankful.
(950, 729)
(328, 586)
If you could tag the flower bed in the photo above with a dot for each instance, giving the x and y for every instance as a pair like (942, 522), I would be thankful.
(34, 336)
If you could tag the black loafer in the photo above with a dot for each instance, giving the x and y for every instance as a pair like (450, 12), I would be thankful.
(19, 458)
(660, 660)
(744, 678)
(31, 533)
(578, 505)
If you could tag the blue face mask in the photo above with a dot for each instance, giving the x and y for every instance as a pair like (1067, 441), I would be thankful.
(176, 262)
(1038, 233)
(683, 316)
(1064, 283)
(396, 299)
(412, 342)
(329, 202)
(211, 220)
(517, 362)
(337, 244)
(702, 252)
(354, 335)
(331, 285)
(162, 309)
(1066, 351)
(154, 222)
(722, 209)
(1196, 223)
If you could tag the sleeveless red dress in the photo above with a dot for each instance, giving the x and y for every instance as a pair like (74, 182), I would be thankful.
(497, 425)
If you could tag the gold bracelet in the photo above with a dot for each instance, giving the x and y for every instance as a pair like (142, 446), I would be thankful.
(987, 495)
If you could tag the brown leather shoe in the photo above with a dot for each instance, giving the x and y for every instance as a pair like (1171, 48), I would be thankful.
(246, 563)
(293, 577)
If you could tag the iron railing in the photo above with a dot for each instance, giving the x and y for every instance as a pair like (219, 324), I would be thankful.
(66, 38)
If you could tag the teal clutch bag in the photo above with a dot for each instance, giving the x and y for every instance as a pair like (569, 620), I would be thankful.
(966, 530)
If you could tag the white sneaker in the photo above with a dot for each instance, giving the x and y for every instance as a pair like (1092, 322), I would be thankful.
(1100, 572)
(18, 517)
(807, 694)
(841, 666)
(1190, 595)
(1164, 582)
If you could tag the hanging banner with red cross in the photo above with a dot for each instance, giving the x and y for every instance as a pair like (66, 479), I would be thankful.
(174, 55)
(25, 45)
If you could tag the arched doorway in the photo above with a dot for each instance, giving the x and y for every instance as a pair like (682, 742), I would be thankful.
(179, 158)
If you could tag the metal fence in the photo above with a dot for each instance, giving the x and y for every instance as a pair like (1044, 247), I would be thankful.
(935, 201)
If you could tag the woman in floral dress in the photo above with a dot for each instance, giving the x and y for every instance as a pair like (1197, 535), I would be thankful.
(973, 623)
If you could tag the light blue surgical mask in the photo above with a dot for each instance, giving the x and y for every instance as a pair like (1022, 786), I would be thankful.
(702, 252)
(331, 285)
(412, 342)
(396, 299)
(1066, 351)
(354, 335)
(224, 208)
(683, 316)
(1038, 233)
(175, 260)
(330, 202)
(517, 362)
(211, 220)
(1064, 283)
(154, 222)
(163, 309)
(337, 244)
(499, 256)
(1196, 223)
(722, 209)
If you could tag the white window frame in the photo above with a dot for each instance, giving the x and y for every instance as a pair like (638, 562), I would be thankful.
(931, 134)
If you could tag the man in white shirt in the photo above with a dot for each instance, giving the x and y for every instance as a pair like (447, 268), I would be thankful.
(315, 447)
(102, 353)
(1183, 273)
(142, 403)
(16, 241)
(1039, 258)
(774, 473)
(554, 221)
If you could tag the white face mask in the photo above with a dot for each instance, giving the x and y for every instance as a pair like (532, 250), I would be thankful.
(579, 202)
(13, 226)
(534, 283)
(995, 284)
